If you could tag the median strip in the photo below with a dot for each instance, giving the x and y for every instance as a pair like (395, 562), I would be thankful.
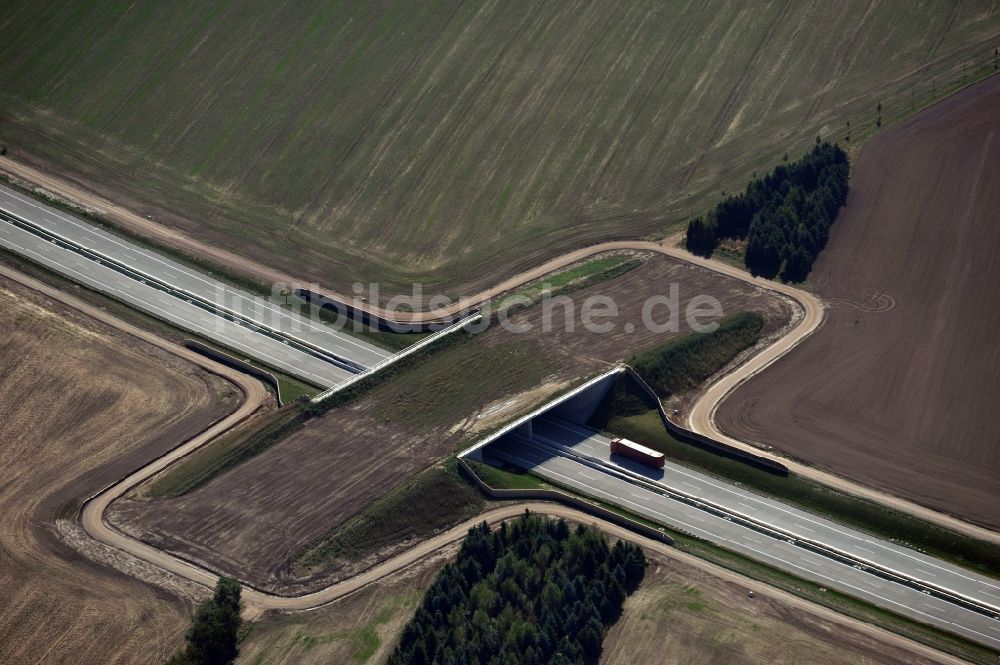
(182, 294)
(749, 522)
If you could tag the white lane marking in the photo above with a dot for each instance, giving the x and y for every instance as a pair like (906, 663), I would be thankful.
(864, 592)
(889, 549)
(186, 272)
(174, 315)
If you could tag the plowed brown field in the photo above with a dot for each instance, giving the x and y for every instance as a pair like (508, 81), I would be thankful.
(82, 405)
(251, 521)
(898, 389)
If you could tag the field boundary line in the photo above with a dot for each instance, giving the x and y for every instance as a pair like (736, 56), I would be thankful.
(254, 396)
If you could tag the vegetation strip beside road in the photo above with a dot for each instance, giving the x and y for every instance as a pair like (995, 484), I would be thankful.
(433, 500)
(688, 547)
(226, 452)
(684, 363)
(873, 518)
(255, 395)
(701, 418)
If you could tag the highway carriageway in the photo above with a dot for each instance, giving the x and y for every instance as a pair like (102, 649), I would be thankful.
(764, 529)
(194, 301)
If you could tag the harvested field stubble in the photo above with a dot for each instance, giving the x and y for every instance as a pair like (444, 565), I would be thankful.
(453, 143)
(83, 405)
(898, 388)
(681, 614)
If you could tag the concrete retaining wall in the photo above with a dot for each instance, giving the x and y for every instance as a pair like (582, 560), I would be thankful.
(235, 363)
(367, 318)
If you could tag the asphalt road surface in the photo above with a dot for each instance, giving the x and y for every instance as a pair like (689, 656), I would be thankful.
(289, 350)
(552, 429)
(777, 552)
(701, 418)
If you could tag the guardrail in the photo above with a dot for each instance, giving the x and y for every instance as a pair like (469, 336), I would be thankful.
(747, 521)
(155, 282)
(396, 357)
(567, 499)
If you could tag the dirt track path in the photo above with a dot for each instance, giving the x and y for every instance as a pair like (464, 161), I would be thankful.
(257, 601)
(342, 589)
(702, 416)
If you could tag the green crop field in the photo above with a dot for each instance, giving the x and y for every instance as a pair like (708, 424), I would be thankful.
(453, 143)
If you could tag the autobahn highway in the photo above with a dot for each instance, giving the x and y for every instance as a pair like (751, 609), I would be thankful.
(560, 451)
(324, 356)
(189, 299)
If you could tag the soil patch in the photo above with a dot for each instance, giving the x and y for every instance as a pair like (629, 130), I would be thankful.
(898, 388)
(83, 404)
(253, 520)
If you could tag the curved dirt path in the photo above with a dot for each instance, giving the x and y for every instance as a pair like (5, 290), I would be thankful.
(702, 416)
(257, 602)
(92, 516)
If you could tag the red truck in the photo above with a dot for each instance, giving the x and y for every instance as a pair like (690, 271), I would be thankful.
(637, 452)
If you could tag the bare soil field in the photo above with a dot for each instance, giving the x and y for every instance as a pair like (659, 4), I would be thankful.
(449, 143)
(681, 614)
(252, 521)
(898, 389)
(83, 404)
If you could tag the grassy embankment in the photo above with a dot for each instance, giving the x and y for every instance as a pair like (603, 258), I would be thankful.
(432, 500)
(575, 277)
(336, 150)
(507, 478)
(226, 452)
(682, 364)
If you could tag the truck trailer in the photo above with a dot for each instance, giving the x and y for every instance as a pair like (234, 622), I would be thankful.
(637, 452)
